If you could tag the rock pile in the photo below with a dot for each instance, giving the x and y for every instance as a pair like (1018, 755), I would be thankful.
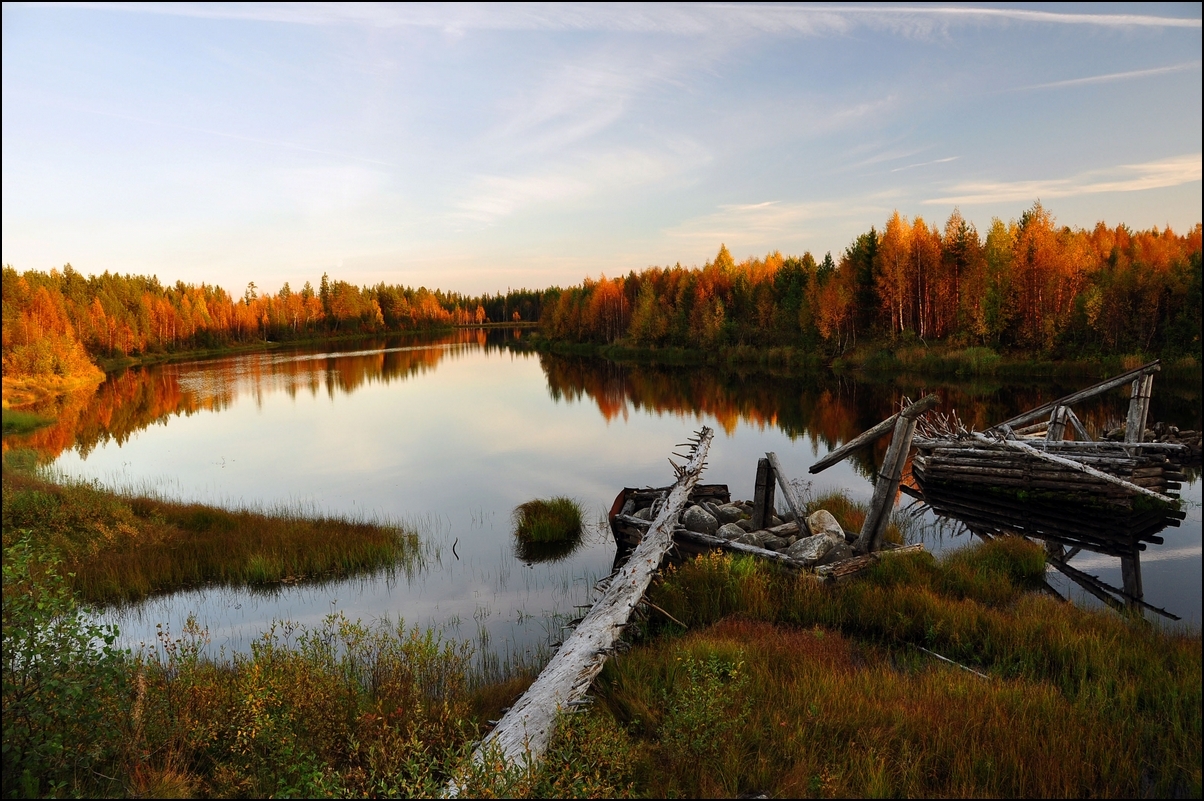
(1162, 432)
(733, 521)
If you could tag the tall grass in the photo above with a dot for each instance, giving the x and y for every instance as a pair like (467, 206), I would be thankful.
(124, 548)
(546, 530)
(22, 422)
(840, 699)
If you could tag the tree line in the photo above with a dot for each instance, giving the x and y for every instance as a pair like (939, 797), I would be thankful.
(55, 322)
(1027, 285)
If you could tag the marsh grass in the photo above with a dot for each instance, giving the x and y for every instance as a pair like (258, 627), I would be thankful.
(547, 530)
(838, 699)
(851, 514)
(21, 422)
(125, 547)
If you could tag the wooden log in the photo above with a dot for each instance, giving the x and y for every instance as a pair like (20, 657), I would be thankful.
(1056, 431)
(1080, 431)
(719, 543)
(788, 493)
(887, 486)
(1139, 407)
(846, 568)
(522, 735)
(763, 494)
(874, 434)
(1082, 394)
(1076, 466)
(1035, 428)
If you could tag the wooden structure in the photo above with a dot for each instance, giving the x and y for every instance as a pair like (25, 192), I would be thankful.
(523, 733)
(1020, 455)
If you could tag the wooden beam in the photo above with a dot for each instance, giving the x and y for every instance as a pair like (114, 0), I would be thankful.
(522, 735)
(763, 494)
(887, 486)
(1072, 465)
(1139, 408)
(873, 434)
(1056, 432)
(1082, 394)
(788, 494)
(1080, 431)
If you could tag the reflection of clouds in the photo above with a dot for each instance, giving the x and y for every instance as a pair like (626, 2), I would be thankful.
(1095, 561)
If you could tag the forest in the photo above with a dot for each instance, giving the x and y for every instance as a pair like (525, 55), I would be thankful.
(1027, 286)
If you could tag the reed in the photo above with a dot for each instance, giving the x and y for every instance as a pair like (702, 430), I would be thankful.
(125, 547)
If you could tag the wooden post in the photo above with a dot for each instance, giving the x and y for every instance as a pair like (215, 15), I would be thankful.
(878, 517)
(1139, 407)
(763, 495)
(1057, 424)
(1080, 430)
(872, 435)
(788, 494)
(1130, 576)
(523, 733)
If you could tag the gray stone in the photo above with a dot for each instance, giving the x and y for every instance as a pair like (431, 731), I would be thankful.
(748, 538)
(745, 524)
(822, 522)
(729, 513)
(695, 518)
(774, 543)
(810, 550)
(730, 531)
(644, 514)
(841, 550)
(710, 507)
(774, 520)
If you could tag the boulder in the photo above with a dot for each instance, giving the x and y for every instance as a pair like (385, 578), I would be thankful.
(643, 514)
(728, 513)
(730, 531)
(695, 518)
(810, 550)
(841, 550)
(774, 520)
(748, 538)
(774, 543)
(822, 522)
(745, 524)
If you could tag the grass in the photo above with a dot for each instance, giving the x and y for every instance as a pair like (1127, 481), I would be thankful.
(851, 514)
(123, 547)
(546, 530)
(832, 694)
(21, 422)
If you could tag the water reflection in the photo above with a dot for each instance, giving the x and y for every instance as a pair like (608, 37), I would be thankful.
(452, 432)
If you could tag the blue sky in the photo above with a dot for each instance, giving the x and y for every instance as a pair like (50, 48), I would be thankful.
(478, 147)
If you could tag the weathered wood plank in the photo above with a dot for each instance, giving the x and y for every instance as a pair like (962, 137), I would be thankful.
(1082, 394)
(788, 493)
(763, 494)
(1139, 407)
(851, 567)
(1075, 466)
(525, 730)
(874, 434)
(887, 486)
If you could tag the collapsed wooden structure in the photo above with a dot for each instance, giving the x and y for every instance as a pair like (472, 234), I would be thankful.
(1037, 457)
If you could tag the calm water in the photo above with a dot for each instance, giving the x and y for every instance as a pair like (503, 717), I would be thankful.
(451, 434)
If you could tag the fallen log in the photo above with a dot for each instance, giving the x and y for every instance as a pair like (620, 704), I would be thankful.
(857, 564)
(522, 735)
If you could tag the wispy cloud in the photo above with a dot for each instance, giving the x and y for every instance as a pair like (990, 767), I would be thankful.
(1114, 76)
(682, 20)
(1124, 178)
(769, 223)
(926, 163)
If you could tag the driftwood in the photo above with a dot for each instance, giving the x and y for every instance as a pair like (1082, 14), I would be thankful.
(524, 731)
(851, 567)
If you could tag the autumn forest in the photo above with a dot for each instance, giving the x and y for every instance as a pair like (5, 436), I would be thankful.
(1027, 286)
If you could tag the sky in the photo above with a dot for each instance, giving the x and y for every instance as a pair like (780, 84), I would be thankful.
(480, 147)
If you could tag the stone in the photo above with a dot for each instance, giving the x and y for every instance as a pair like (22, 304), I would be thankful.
(773, 521)
(749, 538)
(810, 550)
(841, 550)
(643, 514)
(822, 522)
(695, 518)
(745, 524)
(730, 531)
(774, 543)
(728, 513)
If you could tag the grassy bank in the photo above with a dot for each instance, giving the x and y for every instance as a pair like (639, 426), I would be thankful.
(122, 547)
(878, 359)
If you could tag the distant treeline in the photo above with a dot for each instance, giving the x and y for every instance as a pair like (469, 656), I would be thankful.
(55, 322)
(1029, 285)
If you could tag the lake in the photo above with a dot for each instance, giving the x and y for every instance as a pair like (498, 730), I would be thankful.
(450, 433)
